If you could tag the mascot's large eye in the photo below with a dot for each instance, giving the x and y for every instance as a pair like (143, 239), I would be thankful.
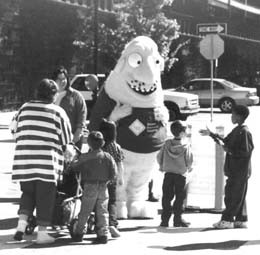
(157, 62)
(134, 60)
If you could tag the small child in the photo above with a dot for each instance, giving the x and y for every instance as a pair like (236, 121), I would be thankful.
(108, 129)
(238, 145)
(175, 159)
(97, 168)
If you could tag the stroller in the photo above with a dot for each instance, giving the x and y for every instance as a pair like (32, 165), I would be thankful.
(68, 202)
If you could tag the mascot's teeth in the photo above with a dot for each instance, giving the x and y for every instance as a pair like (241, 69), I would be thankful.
(140, 87)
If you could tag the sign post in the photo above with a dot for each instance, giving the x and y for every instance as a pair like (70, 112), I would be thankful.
(211, 48)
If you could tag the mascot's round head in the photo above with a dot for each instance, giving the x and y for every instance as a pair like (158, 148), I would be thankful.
(136, 78)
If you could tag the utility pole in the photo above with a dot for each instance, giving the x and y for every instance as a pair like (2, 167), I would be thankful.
(95, 20)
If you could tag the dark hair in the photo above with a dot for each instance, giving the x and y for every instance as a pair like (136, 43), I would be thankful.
(95, 140)
(108, 129)
(61, 70)
(241, 110)
(46, 90)
(177, 127)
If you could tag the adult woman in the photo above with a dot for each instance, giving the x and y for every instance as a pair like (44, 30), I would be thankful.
(42, 132)
(74, 105)
(72, 102)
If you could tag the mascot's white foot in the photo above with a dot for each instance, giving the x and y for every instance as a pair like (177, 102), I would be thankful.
(121, 210)
(142, 209)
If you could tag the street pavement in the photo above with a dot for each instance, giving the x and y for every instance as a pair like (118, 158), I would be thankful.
(144, 236)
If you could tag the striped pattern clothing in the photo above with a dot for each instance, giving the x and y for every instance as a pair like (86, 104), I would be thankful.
(41, 132)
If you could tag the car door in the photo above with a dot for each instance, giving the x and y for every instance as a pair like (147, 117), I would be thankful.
(200, 88)
(219, 92)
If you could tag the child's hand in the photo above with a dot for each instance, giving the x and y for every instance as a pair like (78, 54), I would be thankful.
(69, 153)
(204, 132)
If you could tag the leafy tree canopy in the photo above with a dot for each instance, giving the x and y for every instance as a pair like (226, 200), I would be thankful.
(132, 18)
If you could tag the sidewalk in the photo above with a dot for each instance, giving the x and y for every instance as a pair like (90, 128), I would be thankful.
(139, 237)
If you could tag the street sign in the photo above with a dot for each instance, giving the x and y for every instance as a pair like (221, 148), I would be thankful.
(211, 46)
(211, 28)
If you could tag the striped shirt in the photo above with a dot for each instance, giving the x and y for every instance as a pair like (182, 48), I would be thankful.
(41, 131)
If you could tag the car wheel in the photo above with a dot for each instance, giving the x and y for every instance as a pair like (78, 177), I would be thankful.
(174, 111)
(226, 104)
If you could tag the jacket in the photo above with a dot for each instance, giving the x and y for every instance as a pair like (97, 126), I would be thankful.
(95, 166)
(175, 157)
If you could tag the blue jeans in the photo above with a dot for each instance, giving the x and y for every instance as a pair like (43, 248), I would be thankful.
(95, 197)
(40, 195)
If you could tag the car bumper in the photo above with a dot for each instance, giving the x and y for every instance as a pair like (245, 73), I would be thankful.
(189, 111)
(254, 100)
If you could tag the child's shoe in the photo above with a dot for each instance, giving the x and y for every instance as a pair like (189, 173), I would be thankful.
(164, 224)
(114, 231)
(77, 238)
(240, 224)
(44, 238)
(18, 236)
(223, 224)
(181, 223)
(101, 240)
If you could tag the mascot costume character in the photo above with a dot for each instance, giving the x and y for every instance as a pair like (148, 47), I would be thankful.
(132, 97)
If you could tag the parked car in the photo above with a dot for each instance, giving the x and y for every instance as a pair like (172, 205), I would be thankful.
(180, 105)
(225, 93)
(78, 83)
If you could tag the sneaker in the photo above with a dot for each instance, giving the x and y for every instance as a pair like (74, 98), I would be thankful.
(114, 231)
(181, 223)
(18, 236)
(224, 224)
(44, 238)
(164, 224)
(240, 224)
(101, 240)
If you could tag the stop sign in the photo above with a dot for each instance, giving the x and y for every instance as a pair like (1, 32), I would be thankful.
(211, 46)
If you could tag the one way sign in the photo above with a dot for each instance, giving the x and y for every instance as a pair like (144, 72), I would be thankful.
(211, 28)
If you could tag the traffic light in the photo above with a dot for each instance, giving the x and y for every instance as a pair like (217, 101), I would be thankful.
(104, 5)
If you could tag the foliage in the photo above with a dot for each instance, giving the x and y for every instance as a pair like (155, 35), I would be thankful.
(46, 36)
(131, 18)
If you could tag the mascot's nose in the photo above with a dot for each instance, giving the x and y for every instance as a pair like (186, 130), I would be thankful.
(148, 72)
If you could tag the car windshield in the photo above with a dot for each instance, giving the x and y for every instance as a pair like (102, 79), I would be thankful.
(230, 84)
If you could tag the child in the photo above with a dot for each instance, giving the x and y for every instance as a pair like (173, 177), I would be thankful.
(175, 159)
(108, 129)
(97, 168)
(238, 146)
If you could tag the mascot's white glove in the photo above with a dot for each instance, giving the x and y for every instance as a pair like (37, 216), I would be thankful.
(120, 111)
(161, 114)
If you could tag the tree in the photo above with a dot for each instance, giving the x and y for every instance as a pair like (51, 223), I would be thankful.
(46, 40)
(133, 18)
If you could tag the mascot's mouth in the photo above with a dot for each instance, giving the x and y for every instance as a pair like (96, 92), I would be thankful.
(142, 88)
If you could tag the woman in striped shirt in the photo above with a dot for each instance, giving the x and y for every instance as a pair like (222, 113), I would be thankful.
(42, 133)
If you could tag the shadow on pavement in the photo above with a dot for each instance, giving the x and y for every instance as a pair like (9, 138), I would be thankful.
(8, 223)
(227, 245)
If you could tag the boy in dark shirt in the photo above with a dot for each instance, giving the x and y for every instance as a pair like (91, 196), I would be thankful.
(238, 146)
(97, 168)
